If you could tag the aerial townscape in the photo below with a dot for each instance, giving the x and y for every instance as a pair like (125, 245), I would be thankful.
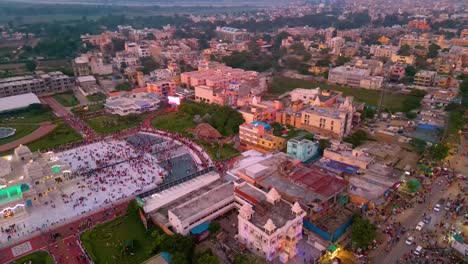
(233, 132)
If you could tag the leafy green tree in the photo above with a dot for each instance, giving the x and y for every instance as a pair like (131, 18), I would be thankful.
(123, 86)
(433, 50)
(363, 232)
(149, 65)
(341, 60)
(410, 71)
(207, 257)
(244, 259)
(214, 227)
(418, 145)
(31, 66)
(405, 50)
(439, 151)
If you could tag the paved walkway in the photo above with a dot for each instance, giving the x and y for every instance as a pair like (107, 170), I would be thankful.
(74, 121)
(44, 129)
(67, 247)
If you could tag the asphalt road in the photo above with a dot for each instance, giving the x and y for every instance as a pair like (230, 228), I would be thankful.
(410, 218)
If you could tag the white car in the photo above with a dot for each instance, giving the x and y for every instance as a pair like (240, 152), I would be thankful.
(437, 208)
(420, 226)
(418, 250)
(409, 240)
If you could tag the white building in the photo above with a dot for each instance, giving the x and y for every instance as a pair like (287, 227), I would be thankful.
(131, 103)
(383, 51)
(143, 50)
(355, 77)
(16, 102)
(129, 59)
(268, 226)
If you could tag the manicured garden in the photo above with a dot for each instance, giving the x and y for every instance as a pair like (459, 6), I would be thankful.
(105, 243)
(62, 134)
(66, 99)
(113, 123)
(392, 101)
(38, 257)
(125, 240)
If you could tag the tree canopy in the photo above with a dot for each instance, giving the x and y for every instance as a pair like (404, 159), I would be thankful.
(363, 232)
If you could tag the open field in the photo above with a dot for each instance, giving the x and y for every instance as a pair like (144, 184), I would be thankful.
(392, 102)
(38, 257)
(112, 123)
(177, 122)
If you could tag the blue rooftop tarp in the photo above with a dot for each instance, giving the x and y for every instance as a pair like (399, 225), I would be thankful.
(166, 256)
(340, 166)
(267, 126)
(200, 228)
(428, 127)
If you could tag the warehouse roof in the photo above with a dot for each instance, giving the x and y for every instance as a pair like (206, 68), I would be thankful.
(17, 101)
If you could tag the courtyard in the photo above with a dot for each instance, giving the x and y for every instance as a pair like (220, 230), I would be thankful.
(104, 173)
(107, 124)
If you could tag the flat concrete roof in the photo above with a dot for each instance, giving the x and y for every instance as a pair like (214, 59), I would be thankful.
(204, 201)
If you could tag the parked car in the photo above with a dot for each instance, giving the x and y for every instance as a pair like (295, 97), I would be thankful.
(420, 226)
(409, 240)
(437, 208)
(427, 219)
(447, 206)
(418, 250)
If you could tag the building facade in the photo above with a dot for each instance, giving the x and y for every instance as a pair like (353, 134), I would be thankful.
(425, 78)
(302, 149)
(259, 135)
(52, 82)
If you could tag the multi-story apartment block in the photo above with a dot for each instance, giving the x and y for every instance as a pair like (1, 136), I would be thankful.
(396, 72)
(131, 47)
(268, 225)
(232, 34)
(414, 41)
(355, 77)
(336, 44)
(123, 57)
(81, 66)
(335, 122)
(425, 78)
(143, 50)
(52, 82)
(162, 88)
(259, 135)
(346, 154)
(210, 95)
(402, 59)
(302, 149)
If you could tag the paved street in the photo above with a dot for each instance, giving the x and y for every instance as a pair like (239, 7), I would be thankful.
(410, 219)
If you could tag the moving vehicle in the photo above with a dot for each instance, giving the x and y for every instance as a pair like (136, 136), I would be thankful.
(420, 226)
(409, 240)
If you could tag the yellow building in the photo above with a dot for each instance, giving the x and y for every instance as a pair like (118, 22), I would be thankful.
(383, 40)
(259, 135)
(402, 59)
(318, 69)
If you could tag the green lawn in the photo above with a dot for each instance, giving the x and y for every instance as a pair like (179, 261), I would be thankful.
(392, 102)
(226, 152)
(61, 135)
(96, 97)
(113, 123)
(104, 242)
(21, 131)
(27, 116)
(66, 99)
(176, 122)
(38, 257)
